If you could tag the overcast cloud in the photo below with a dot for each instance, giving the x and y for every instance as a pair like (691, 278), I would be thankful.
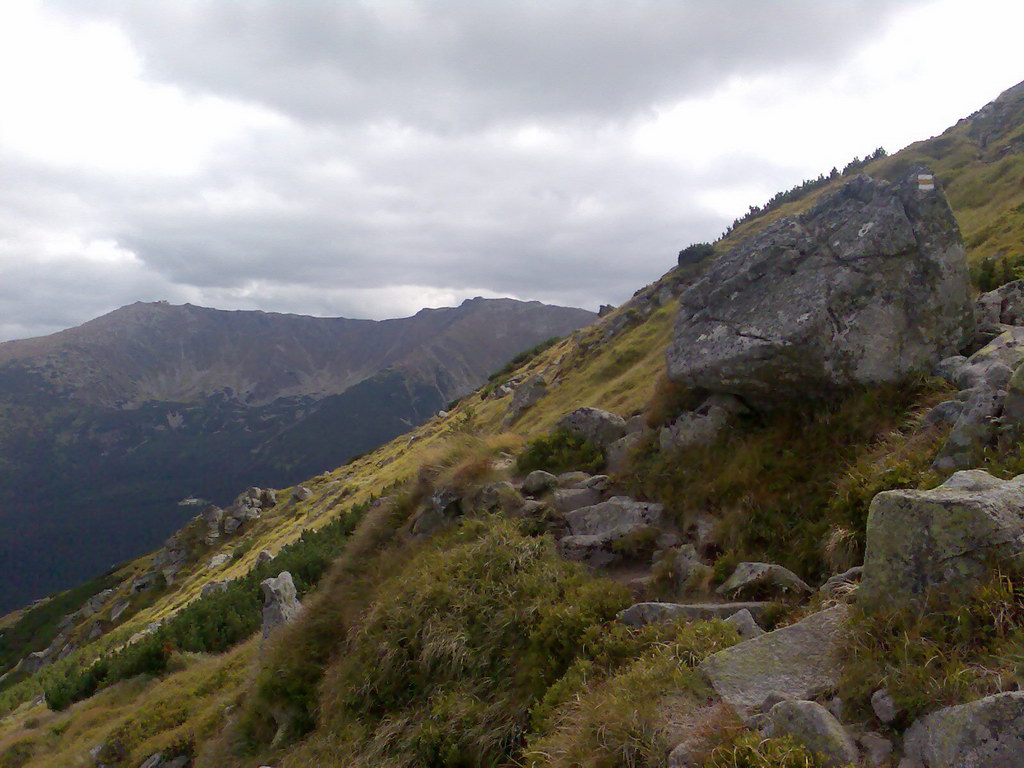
(367, 159)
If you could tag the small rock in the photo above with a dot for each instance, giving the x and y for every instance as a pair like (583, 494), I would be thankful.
(756, 578)
(218, 560)
(526, 394)
(212, 588)
(301, 493)
(745, 625)
(264, 557)
(619, 453)
(280, 604)
(691, 575)
(567, 500)
(813, 726)
(594, 425)
(538, 481)
(877, 750)
(884, 706)
(572, 479)
(651, 613)
(118, 609)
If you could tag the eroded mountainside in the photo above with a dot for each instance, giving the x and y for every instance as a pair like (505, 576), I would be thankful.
(633, 549)
(104, 427)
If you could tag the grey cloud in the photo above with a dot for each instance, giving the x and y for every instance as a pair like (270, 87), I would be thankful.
(453, 66)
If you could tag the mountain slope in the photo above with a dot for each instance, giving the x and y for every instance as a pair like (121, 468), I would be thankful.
(585, 689)
(104, 427)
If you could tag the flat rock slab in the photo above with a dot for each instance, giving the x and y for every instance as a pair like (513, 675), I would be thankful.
(651, 613)
(800, 661)
(987, 733)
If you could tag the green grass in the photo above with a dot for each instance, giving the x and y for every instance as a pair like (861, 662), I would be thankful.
(773, 479)
(754, 751)
(560, 451)
(944, 652)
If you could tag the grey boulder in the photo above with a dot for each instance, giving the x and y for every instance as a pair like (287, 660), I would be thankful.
(594, 425)
(952, 535)
(801, 661)
(280, 604)
(595, 530)
(538, 481)
(987, 733)
(816, 728)
(869, 286)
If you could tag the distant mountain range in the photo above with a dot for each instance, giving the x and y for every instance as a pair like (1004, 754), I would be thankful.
(106, 426)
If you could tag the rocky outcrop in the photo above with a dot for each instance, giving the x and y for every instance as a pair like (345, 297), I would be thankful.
(280, 604)
(594, 425)
(978, 412)
(987, 733)
(1004, 305)
(816, 728)
(869, 286)
(801, 661)
(949, 536)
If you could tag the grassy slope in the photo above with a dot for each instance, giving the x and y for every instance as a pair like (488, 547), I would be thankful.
(987, 193)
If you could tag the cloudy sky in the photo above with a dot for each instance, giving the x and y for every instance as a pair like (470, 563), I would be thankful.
(370, 158)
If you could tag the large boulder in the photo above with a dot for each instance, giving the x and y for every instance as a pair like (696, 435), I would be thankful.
(869, 286)
(987, 733)
(951, 535)
(526, 394)
(280, 604)
(801, 661)
(594, 425)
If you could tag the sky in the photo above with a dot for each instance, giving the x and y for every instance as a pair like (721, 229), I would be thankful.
(368, 159)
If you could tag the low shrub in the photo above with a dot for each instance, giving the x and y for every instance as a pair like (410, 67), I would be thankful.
(560, 451)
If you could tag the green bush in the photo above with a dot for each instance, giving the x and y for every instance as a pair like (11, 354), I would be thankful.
(561, 451)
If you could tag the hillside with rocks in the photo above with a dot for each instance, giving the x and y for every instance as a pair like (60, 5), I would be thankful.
(105, 427)
(768, 512)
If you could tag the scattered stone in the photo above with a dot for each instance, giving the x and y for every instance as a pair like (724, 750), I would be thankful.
(946, 412)
(652, 613)
(214, 517)
(538, 481)
(801, 661)
(218, 560)
(144, 582)
(814, 726)
(951, 535)
(280, 604)
(1004, 305)
(974, 430)
(987, 733)
(763, 578)
(158, 760)
(595, 530)
(594, 425)
(869, 286)
(636, 424)
(301, 493)
(443, 508)
(264, 557)
(745, 625)
(884, 706)
(501, 497)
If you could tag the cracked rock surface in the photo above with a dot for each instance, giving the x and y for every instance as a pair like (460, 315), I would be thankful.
(869, 286)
